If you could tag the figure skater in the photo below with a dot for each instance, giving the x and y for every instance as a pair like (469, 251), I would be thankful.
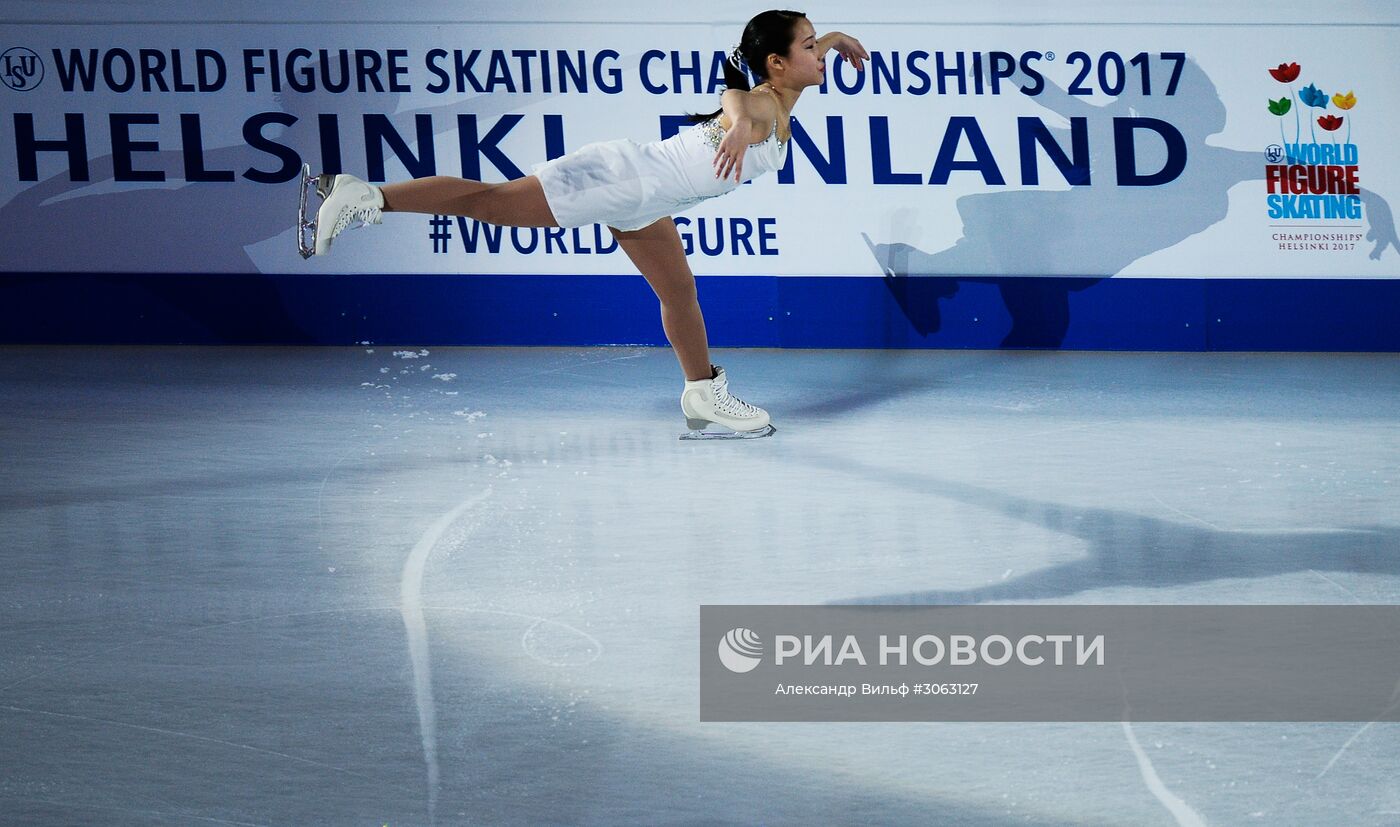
(635, 189)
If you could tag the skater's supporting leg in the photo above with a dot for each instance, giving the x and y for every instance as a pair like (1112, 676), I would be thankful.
(657, 252)
(518, 203)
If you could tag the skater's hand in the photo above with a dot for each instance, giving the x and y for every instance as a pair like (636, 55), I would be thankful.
(848, 47)
(729, 159)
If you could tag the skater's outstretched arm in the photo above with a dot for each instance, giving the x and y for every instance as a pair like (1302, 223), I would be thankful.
(846, 46)
(748, 117)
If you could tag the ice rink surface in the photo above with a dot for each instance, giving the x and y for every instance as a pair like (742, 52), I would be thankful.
(385, 585)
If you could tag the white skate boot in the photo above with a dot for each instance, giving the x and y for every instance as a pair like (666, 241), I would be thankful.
(344, 198)
(707, 402)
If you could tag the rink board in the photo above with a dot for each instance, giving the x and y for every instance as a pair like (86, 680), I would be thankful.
(740, 311)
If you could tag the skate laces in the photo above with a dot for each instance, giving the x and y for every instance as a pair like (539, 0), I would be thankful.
(368, 215)
(727, 403)
(365, 213)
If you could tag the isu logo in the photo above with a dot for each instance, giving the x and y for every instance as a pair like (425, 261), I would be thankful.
(21, 69)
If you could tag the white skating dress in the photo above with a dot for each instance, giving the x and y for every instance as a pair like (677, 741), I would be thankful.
(627, 185)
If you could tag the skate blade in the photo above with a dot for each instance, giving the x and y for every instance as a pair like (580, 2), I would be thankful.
(766, 430)
(306, 228)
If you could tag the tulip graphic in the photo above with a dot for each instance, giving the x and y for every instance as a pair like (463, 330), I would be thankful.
(1345, 102)
(1316, 98)
(1313, 96)
(1330, 123)
(1280, 108)
(1286, 72)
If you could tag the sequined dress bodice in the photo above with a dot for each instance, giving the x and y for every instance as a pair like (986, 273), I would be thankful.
(691, 152)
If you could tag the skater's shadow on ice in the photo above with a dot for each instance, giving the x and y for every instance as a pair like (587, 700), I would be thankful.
(1086, 233)
(213, 482)
(872, 378)
(1129, 550)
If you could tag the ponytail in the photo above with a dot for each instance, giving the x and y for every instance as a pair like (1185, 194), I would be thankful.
(734, 75)
(734, 78)
(768, 33)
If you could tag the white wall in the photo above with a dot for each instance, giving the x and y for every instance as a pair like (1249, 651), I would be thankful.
(634, 12)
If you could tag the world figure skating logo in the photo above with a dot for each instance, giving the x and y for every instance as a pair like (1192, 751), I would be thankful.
(1313, 176)
(21, 69)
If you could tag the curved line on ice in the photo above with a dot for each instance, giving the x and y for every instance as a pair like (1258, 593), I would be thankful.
(1180, 810)
(411, 592)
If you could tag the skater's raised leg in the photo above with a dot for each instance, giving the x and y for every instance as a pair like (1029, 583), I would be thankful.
(518, 203)
(347, 199)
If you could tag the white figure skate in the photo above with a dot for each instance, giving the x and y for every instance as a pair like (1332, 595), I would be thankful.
(706, 402)
(344, 198)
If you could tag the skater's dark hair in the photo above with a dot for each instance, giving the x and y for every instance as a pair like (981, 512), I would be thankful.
(768, 33)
